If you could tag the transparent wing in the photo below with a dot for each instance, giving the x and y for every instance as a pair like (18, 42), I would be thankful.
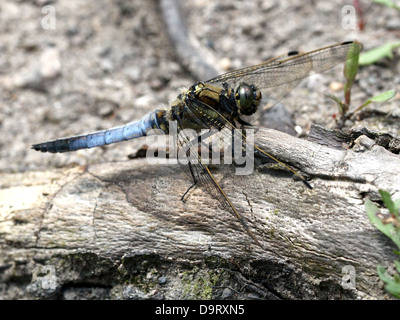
(275, 78)
(278, 76)
(230, 133)
(199, 171)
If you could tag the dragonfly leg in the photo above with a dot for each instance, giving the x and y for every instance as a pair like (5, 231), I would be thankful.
(226, 86)
(266, 159)
(228, 102)
(186, 192)
(244, 123)
(194, 183)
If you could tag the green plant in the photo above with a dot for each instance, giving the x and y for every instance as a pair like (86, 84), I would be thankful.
(389, 225)
(384, 51)
(350, 73)
(387, 3)
(378, 53)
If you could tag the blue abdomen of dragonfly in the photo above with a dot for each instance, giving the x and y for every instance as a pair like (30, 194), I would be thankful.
(154, 120)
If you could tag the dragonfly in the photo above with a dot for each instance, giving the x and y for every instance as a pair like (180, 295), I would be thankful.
(216, 105)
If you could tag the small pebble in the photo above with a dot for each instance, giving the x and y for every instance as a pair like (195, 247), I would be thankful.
(336, 86)
(162, 280)
(225, 63)
(50, 64)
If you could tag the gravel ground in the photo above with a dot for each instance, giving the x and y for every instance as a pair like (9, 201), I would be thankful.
(107, 63)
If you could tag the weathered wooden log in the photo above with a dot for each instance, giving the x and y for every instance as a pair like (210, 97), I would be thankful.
(120, 230)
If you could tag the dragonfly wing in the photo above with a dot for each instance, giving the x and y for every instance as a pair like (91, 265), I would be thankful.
(277, 77)
(198, 170)
(202, 176)
(231, 134)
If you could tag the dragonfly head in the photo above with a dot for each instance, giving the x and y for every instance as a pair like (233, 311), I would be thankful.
(248, 97)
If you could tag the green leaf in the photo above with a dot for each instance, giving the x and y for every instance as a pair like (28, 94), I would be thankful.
(394, 288)
(337, 100)
(392, 285)
(387, 3)
(334, 98)
(351, 65)
(387, 229)
(384, 96)
(350, 70)
(376, 54)
(397, 264)
(387, 200)
(383, 274)
(372, 210)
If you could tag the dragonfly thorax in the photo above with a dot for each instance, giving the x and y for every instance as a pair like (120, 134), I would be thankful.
(248, 97)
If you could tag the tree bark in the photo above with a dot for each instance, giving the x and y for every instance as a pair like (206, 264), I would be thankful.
(120, 230)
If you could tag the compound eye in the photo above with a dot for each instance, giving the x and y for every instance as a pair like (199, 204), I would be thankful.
(245, 95)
